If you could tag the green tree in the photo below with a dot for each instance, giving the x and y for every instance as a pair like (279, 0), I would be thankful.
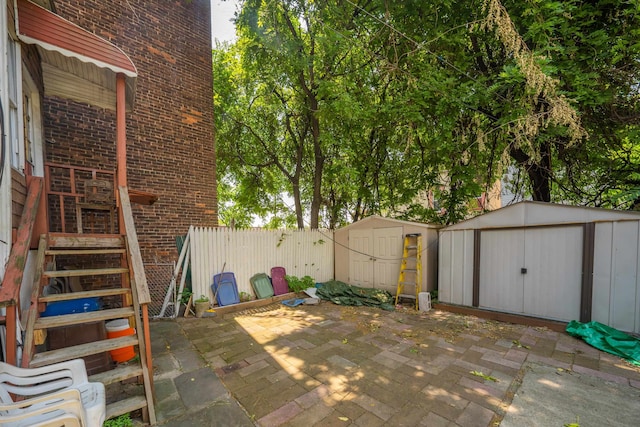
(304, 110)
(550, 87)
(358, 107)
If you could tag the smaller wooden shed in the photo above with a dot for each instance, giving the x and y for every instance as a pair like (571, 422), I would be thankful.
(546, 260)
(368, 253)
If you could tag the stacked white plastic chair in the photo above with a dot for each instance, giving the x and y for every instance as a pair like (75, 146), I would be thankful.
(53, 395)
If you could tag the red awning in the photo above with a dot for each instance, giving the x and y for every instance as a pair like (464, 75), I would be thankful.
(76, 63)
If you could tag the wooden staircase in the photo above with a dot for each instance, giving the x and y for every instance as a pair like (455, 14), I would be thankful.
(86, 260)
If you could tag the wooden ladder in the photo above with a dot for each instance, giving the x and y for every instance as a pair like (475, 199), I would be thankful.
(91, 258)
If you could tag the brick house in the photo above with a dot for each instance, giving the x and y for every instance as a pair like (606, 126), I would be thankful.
(170, 149)
(107, 155)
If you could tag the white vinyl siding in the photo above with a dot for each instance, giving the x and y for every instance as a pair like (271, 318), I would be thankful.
(5, 173)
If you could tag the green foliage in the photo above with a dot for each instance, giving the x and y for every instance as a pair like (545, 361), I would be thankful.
(358, 109)
(434, 295)
(483, 376)
(244, 297)
(576, 424)
(520, 345)
(203, 298)
(300, 284)
(121, 421)
(185, 295)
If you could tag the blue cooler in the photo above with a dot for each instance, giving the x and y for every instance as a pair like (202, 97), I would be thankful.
(80, 305)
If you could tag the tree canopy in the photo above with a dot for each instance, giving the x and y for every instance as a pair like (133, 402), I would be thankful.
(359, 107)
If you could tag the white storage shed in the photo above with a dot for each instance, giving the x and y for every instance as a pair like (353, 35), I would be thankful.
(546, 260)
(368, 252)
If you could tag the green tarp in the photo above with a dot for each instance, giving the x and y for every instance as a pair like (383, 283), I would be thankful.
(607, 339)
(343, 294)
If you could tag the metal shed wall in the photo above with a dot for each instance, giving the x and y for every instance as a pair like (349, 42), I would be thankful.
(616, 282)
(455, 269)
(529, 213)
(598, 248)
(344, 254)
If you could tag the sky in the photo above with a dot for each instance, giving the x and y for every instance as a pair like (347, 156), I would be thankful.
(222, 29)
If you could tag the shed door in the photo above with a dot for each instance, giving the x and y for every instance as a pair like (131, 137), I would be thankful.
(550, 287)
(361, 258)
(375, 257)
(387, 251)
(501, 257)
(553, 284)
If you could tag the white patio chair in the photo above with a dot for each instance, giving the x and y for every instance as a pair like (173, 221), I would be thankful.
(47, 380)
(62, 408)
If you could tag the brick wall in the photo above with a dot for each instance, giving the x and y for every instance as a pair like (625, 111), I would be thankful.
(170, 130)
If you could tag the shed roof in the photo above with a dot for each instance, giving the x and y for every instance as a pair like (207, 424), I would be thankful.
(528, 213)
(398, 222)
(76, 63)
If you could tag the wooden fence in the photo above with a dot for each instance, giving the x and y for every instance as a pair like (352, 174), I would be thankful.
(247, 252)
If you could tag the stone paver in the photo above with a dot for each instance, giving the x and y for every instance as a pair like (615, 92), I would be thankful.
(281, 415)
(329, 365)
(193, 385)
(188, 392)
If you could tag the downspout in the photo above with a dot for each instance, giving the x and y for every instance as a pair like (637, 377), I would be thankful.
(121, 132)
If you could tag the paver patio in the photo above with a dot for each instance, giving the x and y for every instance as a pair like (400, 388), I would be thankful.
(331, 365)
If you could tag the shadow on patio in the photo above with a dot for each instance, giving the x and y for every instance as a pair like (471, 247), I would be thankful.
(333, 365)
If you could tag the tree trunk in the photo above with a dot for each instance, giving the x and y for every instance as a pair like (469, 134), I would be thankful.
(539, 173)
(316, 201)
(298, 205)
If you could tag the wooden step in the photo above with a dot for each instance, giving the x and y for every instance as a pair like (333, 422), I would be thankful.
(73, 352)
(78, 318)
(121, 373)
(84, 251)
(84, 294)
(86, 272)
(408, 296)
(67, 240)
(125, 406)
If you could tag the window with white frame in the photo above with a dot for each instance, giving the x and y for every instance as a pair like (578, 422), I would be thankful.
(27, 122)
(17, 149)
(32, 124)
(33, 134)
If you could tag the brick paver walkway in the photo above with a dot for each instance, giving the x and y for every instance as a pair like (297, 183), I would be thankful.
(330, 365)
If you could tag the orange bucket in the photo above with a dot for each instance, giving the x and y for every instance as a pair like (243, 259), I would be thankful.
(120, 328)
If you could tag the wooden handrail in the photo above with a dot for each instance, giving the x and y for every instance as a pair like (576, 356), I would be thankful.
(137, 265)
(139, 282)
(32, 314)
(10, 290)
